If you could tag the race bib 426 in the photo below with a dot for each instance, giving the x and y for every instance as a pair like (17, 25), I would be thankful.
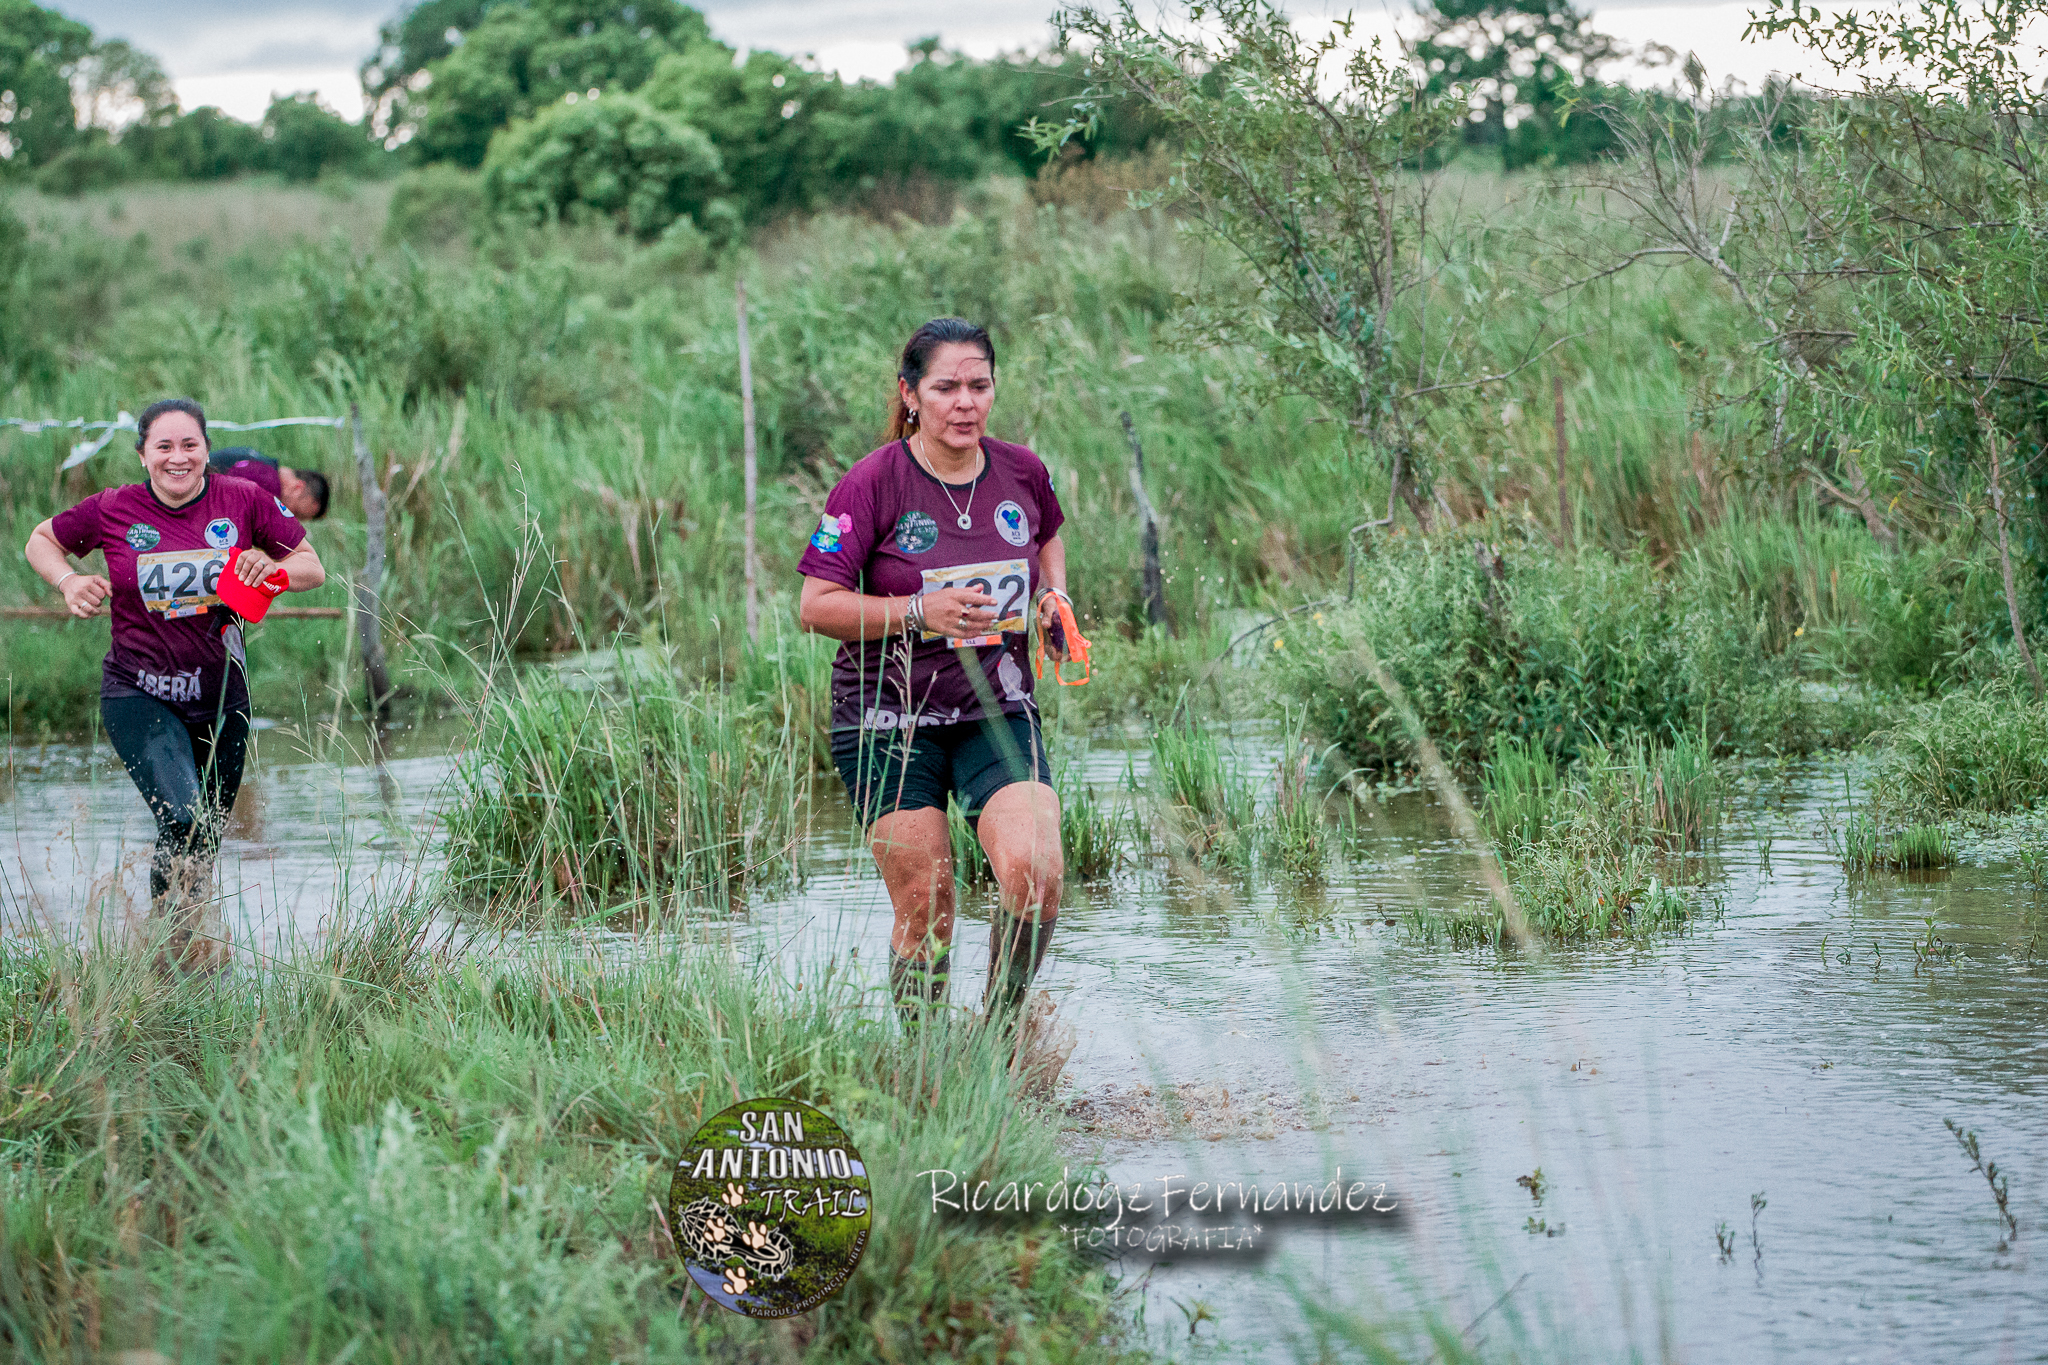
(178, 583)
(1006, 580)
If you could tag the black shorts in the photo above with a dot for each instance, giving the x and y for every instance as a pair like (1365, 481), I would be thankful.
(892, 770)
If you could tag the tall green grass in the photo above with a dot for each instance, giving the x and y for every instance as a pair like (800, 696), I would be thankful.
(388, 1150)
(596, 385)
(1206, 806)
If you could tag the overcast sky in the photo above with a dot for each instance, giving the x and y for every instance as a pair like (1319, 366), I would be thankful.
(235, 54)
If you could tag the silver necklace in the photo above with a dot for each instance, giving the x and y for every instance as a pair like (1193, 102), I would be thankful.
(963, 517)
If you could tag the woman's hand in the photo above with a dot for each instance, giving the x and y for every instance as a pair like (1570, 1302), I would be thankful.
(252, 566)
(86, 594)
(959, 612)
(1048, 623)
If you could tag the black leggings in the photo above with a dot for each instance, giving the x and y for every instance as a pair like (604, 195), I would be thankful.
(188, 775)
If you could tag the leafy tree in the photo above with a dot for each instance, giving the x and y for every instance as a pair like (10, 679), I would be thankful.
(115, 85)
(304, 139)
(199, 144)
(1520, 64)
(1297, 157)
(495, 62)
(1893, 270)
(1917, 205)
(776, 126)
(39, 49)
(612, 157)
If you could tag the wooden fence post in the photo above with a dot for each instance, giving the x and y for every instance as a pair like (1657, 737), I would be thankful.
(752, 469)
(369, 585)
(1155, 580)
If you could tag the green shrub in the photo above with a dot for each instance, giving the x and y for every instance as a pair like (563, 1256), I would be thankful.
(612, 158)
(1593, 851)
(92, 165)
(439, 205)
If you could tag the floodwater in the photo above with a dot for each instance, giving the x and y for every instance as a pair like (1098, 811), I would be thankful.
(1783, 1070)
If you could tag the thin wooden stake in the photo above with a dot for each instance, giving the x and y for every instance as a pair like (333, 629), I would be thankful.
(1155, 579)
(1564, 506)
(752, 468)
(370, 584)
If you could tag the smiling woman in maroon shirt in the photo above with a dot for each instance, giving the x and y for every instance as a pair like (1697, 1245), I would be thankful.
(172, 694)
(931, 556)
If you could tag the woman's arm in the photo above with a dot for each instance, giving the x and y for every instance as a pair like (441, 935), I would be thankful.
(302, 567)
(84, 593)
(835, 610)
(1052, 564)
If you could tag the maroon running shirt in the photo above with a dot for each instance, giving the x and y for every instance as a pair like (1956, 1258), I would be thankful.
(262, 473)
(891, 530)
(172, 636)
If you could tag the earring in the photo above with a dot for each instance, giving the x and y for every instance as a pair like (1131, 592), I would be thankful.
(911, 417)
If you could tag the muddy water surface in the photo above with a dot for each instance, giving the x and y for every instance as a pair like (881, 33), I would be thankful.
(1784, 1070)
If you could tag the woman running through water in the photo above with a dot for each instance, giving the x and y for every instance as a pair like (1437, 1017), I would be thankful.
(932, 553)
(173, 694)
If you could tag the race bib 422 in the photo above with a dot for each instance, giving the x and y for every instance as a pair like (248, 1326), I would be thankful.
(1006, 580)
(178, 583)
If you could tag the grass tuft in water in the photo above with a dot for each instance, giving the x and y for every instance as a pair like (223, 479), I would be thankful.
(1296, 834)
(1206, 803)
(1591, 851)
(641, 785)
(1970, 753)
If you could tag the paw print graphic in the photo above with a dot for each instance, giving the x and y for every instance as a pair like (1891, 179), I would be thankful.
(736, 1281)
(717, 1229)
(734, 1196)
(755, 1236)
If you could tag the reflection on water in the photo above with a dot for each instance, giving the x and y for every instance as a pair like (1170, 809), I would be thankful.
(1798, 1050)
(306, 833)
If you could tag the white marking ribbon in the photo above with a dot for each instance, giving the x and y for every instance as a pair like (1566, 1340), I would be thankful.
(1006, 580)
(177, 583)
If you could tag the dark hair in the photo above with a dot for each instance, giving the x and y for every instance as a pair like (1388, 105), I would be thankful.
(162, 406)
(917, 355)
(316, 484)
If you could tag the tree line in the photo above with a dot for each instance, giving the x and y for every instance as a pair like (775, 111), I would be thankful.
(635, 112)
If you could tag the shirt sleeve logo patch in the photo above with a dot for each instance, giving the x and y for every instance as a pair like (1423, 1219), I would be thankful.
(143, 536)
(826, 538)
(282, 508)
(220, 533)
(916, 533)
(1011, 523)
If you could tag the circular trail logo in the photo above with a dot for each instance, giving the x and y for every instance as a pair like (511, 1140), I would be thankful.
(916, 533)
(143, 536)
(1011, 524)
(769, 1208)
